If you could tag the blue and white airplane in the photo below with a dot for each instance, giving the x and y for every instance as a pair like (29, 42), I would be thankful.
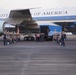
(33, 17)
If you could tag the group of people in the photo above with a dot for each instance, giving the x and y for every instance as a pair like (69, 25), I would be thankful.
(57, 37)
(10, 37)
(14, 37)
(40, 37)
(60, 38)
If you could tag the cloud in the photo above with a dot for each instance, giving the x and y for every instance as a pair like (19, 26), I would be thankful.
(19, 4)
(67, 3)
(8, 4)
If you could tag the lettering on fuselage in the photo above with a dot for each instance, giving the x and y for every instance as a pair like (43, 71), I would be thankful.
(51, 13)
(3, 15)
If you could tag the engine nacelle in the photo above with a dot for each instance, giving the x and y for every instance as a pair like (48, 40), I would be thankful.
(2, 26)
(5, 26)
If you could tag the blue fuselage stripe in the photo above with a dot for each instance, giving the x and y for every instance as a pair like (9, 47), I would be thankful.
(55, 18)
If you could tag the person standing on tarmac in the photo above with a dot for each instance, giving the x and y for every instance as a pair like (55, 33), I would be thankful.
(63, 37)
(5, 38)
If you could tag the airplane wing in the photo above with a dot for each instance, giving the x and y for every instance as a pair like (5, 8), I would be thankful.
(25, 13)
(21, 13)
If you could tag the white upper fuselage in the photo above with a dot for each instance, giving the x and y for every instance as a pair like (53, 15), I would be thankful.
(53, 14)
(39, 14)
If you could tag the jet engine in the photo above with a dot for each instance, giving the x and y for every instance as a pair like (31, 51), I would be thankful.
(6, 26)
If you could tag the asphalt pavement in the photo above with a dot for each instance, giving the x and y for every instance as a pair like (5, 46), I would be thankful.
(38, 58)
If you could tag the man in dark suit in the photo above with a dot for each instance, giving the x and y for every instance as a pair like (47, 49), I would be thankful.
(63, 37)
(4, 38)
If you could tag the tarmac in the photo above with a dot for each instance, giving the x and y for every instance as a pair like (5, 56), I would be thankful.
(38, 58)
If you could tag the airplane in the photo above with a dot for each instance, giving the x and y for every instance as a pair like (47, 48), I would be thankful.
(33, 17)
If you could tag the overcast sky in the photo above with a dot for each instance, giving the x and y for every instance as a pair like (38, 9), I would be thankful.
(23, 4)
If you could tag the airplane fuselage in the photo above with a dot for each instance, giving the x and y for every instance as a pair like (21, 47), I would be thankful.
(35, 17)
(54, 14)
